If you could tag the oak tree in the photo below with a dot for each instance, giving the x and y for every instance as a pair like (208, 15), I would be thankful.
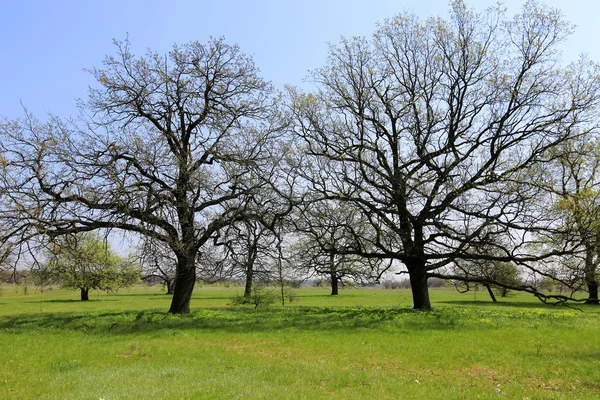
(430, 128)
(169, 147)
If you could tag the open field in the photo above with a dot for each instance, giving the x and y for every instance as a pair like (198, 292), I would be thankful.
(366, 343)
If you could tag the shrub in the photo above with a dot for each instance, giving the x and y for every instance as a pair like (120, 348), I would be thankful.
(290, 295)
(258, 297)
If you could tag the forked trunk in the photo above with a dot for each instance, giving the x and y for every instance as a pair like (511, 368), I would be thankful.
(418, 285)
(333, 275)
(184, 285)
(85, 294)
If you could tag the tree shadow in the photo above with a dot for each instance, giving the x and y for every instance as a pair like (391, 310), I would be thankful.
(58, 301)
(154, 294)
(231, 320)
(512, 304)
(245, 319)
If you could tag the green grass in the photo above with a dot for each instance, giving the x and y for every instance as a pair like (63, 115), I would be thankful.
(366, 343)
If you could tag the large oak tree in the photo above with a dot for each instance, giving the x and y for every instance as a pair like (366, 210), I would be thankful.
(171, 147)
(431, 128)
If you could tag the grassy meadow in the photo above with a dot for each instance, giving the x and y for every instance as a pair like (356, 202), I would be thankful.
(365, 343)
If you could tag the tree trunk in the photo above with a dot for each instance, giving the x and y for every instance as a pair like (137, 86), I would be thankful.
(593, 293)
(249, 277)
(85, 294)
(333, 275)
(418, 285)
(489, 289)
(170, 285)
(185, 280)
(252, 247)
(334, 284)
(590, 276)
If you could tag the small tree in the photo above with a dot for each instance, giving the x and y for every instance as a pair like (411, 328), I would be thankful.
(329, 232)
(84, 262)
(502, 276)
(251, 250)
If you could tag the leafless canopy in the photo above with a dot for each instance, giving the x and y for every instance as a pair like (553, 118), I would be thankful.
(170, 147)
(431, 128)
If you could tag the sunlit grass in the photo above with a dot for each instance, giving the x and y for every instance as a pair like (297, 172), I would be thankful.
(366, 343)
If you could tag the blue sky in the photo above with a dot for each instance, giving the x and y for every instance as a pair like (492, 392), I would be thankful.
(46, 45)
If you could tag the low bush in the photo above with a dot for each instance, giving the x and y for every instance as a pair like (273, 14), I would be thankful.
(259, 297)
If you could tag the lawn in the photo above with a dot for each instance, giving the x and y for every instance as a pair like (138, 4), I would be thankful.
(365, 343)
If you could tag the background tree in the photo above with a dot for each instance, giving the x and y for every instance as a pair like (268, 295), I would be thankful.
(430, 129)
(573, 179)
(169, 147)
(327, 234)
(251, 249)
(85, 262)
(158, 262)
(498, 275)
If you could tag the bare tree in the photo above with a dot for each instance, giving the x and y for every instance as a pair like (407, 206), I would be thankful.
(170, 147)
(328, 232)
(251, 249)
(431, 128)
(158, 262)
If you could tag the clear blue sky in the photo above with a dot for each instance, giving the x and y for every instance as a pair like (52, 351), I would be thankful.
(46, 44)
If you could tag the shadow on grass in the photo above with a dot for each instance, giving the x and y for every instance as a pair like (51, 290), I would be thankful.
(164, 295)
(159, 294)
(58, 301)
(500, 303)
(232, 320)
(243, 320)
(523, 305)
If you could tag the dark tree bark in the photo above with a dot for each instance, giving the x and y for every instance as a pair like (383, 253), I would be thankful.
(249, 277)
(170, 285)
(489, 289)
(593, 293)
(252, 248)
(85, 294)
(590, 276)
(418, 286)
(184, 285)
(333, 275)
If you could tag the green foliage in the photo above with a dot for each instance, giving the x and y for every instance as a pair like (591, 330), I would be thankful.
(290, 294)
(259, 297)
(504, 273)
(84, 261)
